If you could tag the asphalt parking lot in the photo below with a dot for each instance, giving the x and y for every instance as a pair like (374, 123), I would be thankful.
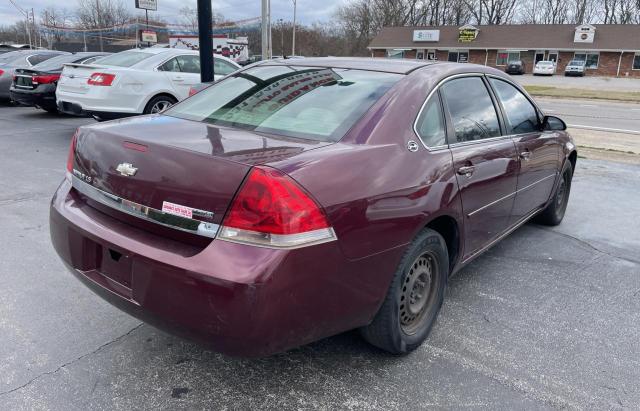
(549, 318)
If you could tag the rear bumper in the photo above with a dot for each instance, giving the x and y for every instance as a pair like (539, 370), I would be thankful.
(100, 101)
(236, 299)
(41, 98)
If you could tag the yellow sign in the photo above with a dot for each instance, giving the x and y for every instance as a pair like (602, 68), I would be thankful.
(467, 35)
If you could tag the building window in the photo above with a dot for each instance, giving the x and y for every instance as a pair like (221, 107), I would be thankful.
(459, 56)
(395, 54)
(636, 62)
(506, 57)
(590, 59)
(431, 55)
(420, 55)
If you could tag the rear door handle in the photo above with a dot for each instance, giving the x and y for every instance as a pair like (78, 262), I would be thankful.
(466, 171)
(178, 79)
(525, 155)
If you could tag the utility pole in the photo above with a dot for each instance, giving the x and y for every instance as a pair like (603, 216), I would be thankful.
(99, 24)
(205, 34)
(293, 40)
(281, 21)
(266, 29)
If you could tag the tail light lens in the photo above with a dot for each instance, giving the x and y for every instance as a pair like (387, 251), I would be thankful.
(1, 72)
(192, 91)
(272, 210)
(72, 152)
(101, 79)
(45, 79)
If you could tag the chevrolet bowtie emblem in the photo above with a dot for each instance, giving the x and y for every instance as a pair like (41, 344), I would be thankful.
(126, 169)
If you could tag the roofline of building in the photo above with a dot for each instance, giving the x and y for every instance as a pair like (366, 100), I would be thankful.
(499, 48)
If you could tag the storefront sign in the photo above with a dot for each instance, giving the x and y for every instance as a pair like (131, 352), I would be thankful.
(148, 36)
(467, 35)
(147, 4)
(426, 35)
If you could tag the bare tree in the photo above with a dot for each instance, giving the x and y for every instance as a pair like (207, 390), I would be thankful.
(189, 18)
(94, 14)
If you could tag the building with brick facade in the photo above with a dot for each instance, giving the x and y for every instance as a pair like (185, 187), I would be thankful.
(607, 49)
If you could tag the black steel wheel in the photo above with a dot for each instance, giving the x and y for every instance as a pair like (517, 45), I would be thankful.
(414, 298)
(553, 214)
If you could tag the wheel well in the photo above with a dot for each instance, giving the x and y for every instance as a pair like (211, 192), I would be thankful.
(573, 157)
(158, 95)
(447, 227)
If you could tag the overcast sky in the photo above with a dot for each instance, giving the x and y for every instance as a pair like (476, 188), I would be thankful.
(309, 11)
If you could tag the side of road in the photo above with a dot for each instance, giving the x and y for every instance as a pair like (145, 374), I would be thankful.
(580, 93)
(599, 145)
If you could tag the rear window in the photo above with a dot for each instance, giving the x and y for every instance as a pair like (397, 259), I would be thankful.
(307, 102)
(55, 63)
(125, 58)
(576, 63)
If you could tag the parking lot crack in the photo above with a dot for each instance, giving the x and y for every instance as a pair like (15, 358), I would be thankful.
(71, 362)
(591, 246)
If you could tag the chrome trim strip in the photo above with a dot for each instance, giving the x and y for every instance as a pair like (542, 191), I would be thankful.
(153, 215)
(512, 194)
(484, 207)
(536, 182)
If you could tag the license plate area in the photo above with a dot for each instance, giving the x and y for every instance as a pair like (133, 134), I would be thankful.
(115, 265)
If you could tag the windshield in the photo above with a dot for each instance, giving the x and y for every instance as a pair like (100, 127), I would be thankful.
(576, 63)
(545, 64)
(313, 103)
(124, 59)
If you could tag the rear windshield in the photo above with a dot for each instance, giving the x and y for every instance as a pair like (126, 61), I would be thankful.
(576, 63)
(55, 63)
(307, 102)
(125, 58)
(545, 63)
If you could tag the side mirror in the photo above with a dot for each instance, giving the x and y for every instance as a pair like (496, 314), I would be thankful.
(553, 123)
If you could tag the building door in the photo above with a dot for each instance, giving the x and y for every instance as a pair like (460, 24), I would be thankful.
(539, 56)
(553, 56)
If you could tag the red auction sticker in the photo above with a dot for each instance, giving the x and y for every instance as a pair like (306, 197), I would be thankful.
(177, 209)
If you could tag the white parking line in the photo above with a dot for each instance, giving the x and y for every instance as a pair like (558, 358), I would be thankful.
(588, 105)
(615, 130)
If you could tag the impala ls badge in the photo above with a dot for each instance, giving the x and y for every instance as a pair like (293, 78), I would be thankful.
(126, 169)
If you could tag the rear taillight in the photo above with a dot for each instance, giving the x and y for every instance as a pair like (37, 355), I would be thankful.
(192, 91)
(1, 72)
(45, 79)
(72, 152)
(101, 79)
(272, 210)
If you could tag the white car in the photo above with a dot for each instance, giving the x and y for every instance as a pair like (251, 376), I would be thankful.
(547, 68)
(132, 82)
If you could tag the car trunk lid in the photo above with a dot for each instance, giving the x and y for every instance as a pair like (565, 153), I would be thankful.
(176, 166)
(75, 77)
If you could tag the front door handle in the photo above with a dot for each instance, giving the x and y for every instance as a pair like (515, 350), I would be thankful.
(466, 170)
(525, 155)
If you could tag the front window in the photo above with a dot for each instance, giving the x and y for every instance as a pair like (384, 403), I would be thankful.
(125, 58)
(459, 56)
(590, 60)
(636, 62)
(506, 57)
(522, 116)
(395, 54)
(306, 102)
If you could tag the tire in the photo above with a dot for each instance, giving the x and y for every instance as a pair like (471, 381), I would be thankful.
(554, 212)
(407, 315)
(50, 109)
(159, 103)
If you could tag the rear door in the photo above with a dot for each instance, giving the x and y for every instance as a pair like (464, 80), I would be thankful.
(485, 161)
(538, 151)
(183, 72)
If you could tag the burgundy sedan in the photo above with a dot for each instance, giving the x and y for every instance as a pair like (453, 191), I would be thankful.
(298, 199)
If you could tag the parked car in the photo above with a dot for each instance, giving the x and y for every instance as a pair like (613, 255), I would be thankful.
(21, 58)
(515, 67)
(544, 68)
(575, 68)
(36, 86)
(140, 81)
(237, 218)
(252, 59)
